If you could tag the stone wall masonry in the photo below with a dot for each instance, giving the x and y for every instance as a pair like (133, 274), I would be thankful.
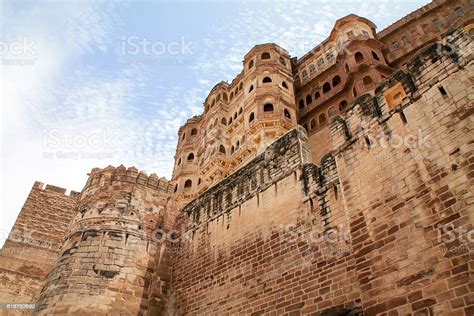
(406, 173)
(267, 252)
(114, 259)
(34, 242)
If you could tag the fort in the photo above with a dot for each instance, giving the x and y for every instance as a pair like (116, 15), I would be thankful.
(338, 183)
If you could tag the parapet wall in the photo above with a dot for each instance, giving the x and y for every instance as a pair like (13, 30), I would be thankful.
(34, 242)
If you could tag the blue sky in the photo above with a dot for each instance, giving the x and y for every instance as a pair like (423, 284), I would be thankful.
(77, 91)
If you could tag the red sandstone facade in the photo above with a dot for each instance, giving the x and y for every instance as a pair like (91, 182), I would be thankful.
(338, 183)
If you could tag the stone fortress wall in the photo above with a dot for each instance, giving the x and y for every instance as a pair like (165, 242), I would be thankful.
(342, 191)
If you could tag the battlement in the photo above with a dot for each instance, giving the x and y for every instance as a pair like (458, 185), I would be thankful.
(54, 189)
(98, 177)
(279, 160)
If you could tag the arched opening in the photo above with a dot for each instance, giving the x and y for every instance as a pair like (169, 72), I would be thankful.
(230, 120)
(267, 80)
(191, 157)
(265, 55)
(287, 113)
(347, 68)
(304, 75)
(459, 11)
(367, 80)
(312, 124)
(232, 149)
(359, 57)
(301, 104)
(354, 91)
(231, 95)
(188, 184)
(326, 87)
(268, 107)
(222, 149)
(284, 85)
(336, 80)
(241, 86)
(194, 132)
(309, 100)
(199, 181)
(235, 115)
(251, 117)
(224, 121)
(332, 111)
(317, 95)
(240, 111)
(237, 145)
(183, 137)
(175, 188)
(224, 96)
(342, 105)
(251, 88)
(322, 119)
(179, 161)
(405, 40)
(251, 64)
(375, 56)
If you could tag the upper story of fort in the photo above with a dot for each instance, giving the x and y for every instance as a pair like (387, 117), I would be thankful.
(275, 92)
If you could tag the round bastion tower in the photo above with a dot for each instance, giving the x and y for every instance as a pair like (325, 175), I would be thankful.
(113, 259)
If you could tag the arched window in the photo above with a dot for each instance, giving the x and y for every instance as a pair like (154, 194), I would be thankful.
(304, 75)
(284, 85)
(199, 181)
(405, 40)
(459, 11)
(332, 111)
(251, 64)
(326, 87)
(375, 56)
(232, 149)
(235, 115)
(194, 132)
(322, 119)
(191, 157)
(359, 57)
(251, 117)
(267, 80)
(287, 114)
(223, 121)
(367, 80)
(179, 161)
(237, 145)
(395, 45)
(354, 91)
(230, 120)
(312, 124)
(301, 104)
(317, 95)
(309, 100)
(251, 88)
(184, 136)
(222, 149)
(336, 80)
(265, 55)
(268, 107)
(240, 111)
(347, 68)
(231, 95)
(241, 86)
(175, 188)
(224, 96)
(188, 184)
(312, 71)
(342, 105)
